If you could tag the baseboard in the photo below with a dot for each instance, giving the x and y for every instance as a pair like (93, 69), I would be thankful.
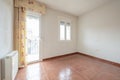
(0, 70)
(102, 60)
(69, 54)
(96, 58)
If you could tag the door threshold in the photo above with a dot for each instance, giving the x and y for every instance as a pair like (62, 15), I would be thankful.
(34, 62)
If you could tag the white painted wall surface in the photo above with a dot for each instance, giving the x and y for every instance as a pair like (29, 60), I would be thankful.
(99, 32)
(6, 28)
(52, 46)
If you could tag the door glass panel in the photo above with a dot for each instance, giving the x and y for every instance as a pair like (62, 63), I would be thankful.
(32, 38)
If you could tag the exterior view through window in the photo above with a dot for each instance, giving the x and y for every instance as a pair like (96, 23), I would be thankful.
(65, 31)
(32, 37)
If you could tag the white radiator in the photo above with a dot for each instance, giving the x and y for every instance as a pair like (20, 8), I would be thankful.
(11, 65)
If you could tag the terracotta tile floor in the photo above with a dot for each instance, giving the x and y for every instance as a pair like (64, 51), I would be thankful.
(73, 67)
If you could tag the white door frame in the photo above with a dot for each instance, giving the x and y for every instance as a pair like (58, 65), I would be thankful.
(40, 40)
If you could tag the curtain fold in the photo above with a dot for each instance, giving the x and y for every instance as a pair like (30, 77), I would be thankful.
(20, 34)
(20, 9)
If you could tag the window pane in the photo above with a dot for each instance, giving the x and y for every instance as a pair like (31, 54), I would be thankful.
(62, 31)
(68, 32)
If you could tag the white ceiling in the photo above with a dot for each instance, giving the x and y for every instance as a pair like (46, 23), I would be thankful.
(75, 7)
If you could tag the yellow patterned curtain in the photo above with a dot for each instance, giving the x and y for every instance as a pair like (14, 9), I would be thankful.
(20, 8)
(20, 14)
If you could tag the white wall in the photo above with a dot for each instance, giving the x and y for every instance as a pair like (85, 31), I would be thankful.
(99, 32)
(6, 27)
(52, 46)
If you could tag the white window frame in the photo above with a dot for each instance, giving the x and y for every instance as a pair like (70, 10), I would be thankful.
(66, 22)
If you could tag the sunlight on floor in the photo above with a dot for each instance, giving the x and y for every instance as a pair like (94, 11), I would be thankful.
(34, 72)
(31, 58)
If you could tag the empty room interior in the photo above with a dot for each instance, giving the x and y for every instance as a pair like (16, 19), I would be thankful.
(59, 39)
